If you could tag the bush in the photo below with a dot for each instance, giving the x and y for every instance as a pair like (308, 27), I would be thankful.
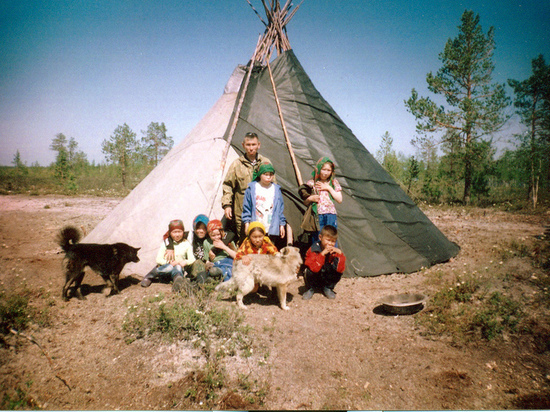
(14, 313)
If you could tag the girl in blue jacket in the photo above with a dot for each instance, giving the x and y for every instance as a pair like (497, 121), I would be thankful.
(263, 202)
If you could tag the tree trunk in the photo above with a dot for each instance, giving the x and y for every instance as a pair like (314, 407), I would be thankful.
(467, 181)
(467, 170)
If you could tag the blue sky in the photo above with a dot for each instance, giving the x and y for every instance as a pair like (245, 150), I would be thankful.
(83, 67)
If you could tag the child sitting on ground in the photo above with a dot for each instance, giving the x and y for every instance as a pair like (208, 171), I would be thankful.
(221, 251)
(174, 268)
(197, 242)
(324, 263)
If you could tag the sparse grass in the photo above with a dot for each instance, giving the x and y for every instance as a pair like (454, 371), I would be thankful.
(499, 314)
(197, 319)
(219, 332)
(466, 309)
(17, 312)
(480, 305)
(19, 399)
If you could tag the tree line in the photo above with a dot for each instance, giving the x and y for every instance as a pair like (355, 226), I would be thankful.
(471, 111)
(128, 160)
(460, 121)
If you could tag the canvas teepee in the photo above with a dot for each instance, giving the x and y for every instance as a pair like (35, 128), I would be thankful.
(381, 230)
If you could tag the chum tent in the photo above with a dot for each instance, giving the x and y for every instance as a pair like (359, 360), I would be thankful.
(381, 230)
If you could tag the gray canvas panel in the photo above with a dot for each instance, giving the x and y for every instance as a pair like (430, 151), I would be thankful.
(176, 189)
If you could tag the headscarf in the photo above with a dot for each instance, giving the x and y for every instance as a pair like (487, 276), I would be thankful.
(200, 219)
(254, 225)
(319, 165)
(215, 224)
(264, 168)
(175, 224)
(317, 175)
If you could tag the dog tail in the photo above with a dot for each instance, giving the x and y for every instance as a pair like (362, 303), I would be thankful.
(228, 285)
(67, 237)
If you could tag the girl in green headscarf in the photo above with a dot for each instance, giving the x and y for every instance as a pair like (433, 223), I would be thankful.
(325, 190)
(263, 202)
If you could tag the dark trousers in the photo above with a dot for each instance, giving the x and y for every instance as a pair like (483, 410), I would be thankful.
(327, 277)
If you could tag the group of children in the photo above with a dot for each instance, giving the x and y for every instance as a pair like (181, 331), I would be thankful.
(261, 222)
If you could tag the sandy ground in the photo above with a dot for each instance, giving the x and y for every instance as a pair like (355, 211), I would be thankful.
(322, 354)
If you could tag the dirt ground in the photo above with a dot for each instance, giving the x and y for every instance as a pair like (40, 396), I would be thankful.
(323, 354)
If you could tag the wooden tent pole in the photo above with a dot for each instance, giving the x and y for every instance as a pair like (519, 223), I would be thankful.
(289, 145)
(234, 126)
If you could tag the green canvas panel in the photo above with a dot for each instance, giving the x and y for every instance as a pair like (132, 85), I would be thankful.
(381, 230)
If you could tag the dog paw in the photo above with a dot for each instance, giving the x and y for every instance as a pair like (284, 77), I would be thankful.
(285, 308)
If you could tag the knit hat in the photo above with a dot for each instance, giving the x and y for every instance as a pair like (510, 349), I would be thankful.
(200, 219)
(264, 168)
(214, 224)
(254, 225)
(175, 224)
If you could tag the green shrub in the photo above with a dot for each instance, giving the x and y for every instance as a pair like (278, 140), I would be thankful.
(499, 314)
(15, 312)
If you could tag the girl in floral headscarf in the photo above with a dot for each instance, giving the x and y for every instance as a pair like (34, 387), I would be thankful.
(325, 190)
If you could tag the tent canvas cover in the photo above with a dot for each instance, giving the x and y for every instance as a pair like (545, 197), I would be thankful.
(381, 230)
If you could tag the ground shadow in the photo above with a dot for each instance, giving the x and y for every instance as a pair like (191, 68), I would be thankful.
(123, 283)
(381, 310)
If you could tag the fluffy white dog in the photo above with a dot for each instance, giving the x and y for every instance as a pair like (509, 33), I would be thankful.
(270, 270)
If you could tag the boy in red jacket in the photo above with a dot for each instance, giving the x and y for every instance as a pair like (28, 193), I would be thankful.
(325, 264)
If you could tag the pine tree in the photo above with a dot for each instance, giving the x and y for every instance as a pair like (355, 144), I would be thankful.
(121, 149)
(532, 102)
(155, 142)
(475, 107)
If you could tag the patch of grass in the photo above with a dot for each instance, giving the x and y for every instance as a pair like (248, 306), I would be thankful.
(516, 248)
(19, 399)
(21, 307)
(197, 319)
(464, 309)
(15, 312)
(499, 314)
(218, 331)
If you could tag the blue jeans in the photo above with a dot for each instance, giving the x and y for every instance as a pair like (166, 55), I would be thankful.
(164, 271)
(325, 219)
(226, 266)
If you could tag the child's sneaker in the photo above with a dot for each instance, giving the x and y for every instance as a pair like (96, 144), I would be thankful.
(146, 282)
(215, 272)
(308, 294)
(329, 293)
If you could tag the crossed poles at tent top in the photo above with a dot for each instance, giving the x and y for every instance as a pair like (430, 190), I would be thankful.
(275, 36)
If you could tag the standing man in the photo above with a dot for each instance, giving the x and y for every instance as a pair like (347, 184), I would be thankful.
(237, 179)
